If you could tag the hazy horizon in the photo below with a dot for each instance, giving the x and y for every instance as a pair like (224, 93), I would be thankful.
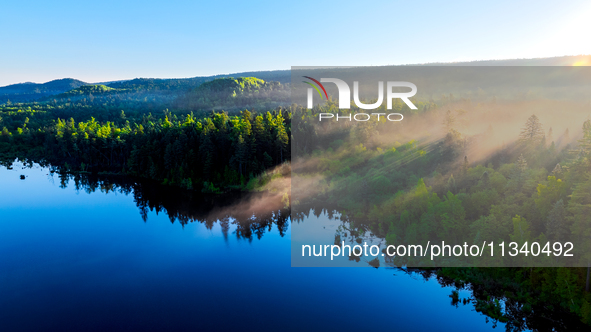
(587, 62)
(110, 40)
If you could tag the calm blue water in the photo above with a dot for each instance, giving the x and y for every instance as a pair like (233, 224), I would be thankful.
(70, 260)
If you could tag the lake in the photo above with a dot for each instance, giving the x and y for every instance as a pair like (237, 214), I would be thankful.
(96, 256)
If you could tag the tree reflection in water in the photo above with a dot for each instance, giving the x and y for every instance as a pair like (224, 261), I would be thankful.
(255, 213)
(252, 213)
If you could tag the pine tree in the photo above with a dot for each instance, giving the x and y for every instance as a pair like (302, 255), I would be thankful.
(206, 151)
(260, 138)
(281, 139)
(451, 184)
(585, 142)
(579, 208)
(521, 230)
(449, 121)
(465, 166)
(556, 228)
(241, 154)
(532, 133)
(519, 170)
(521, 163)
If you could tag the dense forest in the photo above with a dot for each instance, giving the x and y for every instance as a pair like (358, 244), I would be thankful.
(211, 153)
(126, 129)
(426, 178)
(450, 170)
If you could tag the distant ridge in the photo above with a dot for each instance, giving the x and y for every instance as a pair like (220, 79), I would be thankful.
(28, 91)
(55, 85)
(571, 60)
(33, 91)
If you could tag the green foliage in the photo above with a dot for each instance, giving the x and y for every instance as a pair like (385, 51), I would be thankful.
(548, 194)
(421, 190)
(234, 93)
(521, 230)
(178, 150)
(87, 90)
(406, 190)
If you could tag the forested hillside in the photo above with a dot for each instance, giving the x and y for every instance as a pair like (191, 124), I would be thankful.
(232, 94)
(24, 92)
(30, 92)
(456, 170)
(138, 88)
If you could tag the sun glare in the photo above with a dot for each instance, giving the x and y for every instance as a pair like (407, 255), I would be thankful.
(584, 62)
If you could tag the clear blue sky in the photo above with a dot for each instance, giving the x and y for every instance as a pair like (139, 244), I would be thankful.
(109, 40)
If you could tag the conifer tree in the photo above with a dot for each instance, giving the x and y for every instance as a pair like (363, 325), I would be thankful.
(532, 133)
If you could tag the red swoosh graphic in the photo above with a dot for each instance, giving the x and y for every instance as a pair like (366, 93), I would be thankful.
(320, 84)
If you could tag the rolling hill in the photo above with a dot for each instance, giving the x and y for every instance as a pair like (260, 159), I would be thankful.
(27, 92)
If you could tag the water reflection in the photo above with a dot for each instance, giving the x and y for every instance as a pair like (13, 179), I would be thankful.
(490, 298)
(249, 218)
(494, 292)
(243, 210)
